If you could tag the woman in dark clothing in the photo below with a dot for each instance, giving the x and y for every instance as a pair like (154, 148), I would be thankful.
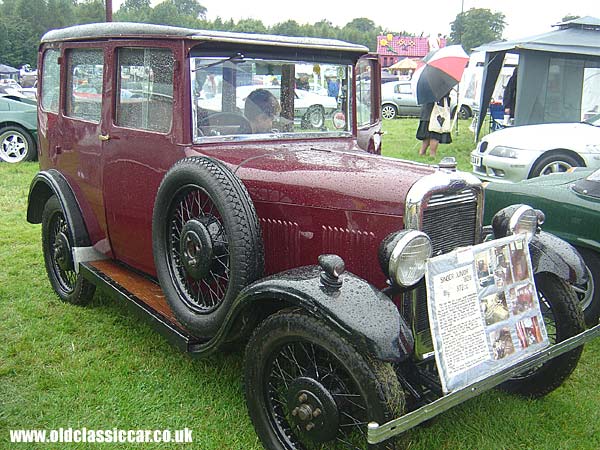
(431, 139)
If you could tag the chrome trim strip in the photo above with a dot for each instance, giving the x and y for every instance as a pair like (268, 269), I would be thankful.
(379, 433)
(271, 136)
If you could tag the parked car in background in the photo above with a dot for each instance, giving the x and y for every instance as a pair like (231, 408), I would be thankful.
(30, 92)
(571, 202)
(517, 153)
(310, 109)
(398, 99)
(18, 129)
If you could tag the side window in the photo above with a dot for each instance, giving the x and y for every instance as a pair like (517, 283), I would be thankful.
(363, 93)
(145, 89)
(51, 81)
(85, 68)
(405, 88)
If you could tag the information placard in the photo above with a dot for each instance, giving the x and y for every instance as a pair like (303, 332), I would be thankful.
(483, 309)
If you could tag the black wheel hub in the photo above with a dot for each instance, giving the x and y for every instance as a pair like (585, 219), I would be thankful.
(313, 409)
(196, 249)
(62, 252)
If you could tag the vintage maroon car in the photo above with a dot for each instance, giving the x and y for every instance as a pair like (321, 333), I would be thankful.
(243, 226)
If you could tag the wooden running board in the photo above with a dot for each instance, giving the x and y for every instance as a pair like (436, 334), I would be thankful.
(144, 296)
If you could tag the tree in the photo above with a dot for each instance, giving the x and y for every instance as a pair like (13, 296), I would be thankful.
(361, 31)
(134, 11)
(475, 27)
(250, 26)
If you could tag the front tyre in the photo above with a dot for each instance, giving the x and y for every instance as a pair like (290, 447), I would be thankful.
(308, 388)
(314, 117)
(589, 293)
(57, 245)
(16, 145)
(563, 319)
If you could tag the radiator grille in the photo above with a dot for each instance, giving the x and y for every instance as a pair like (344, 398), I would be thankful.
(450, 221)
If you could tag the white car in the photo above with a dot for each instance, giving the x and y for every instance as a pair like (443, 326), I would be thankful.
(310, 109)
(517, 153)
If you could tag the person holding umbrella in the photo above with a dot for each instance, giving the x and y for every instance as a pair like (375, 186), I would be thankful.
(431, 139)
(441, 70)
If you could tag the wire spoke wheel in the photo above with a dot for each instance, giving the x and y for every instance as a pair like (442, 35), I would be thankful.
(302, 378)
(62, 262)
(307, 388)
(199, 249)
(57, 245)
(206, 241)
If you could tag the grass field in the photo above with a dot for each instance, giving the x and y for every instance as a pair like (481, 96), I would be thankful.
(99, 367)
(399, 141)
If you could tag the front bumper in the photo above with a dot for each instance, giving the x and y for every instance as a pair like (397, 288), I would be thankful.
(379, 433)
(494, 168)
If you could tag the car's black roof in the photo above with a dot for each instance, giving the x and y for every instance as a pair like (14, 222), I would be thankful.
(150, 31)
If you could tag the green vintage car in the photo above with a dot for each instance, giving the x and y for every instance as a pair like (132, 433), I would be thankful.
(571, 203)
(18, 129)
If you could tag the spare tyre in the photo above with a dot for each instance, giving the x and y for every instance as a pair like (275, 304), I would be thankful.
(207, 242)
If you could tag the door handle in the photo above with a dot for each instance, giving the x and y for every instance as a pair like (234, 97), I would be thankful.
(104, 137)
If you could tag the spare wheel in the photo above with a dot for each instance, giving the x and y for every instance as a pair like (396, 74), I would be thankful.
(206, 241)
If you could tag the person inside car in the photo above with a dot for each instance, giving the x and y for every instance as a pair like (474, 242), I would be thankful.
(261, 108)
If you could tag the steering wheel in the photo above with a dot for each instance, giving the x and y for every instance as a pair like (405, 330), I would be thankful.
(227, 119)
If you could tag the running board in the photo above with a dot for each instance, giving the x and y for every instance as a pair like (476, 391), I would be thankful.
(144, 297)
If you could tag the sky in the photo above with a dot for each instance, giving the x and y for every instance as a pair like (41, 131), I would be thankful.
(523, 17)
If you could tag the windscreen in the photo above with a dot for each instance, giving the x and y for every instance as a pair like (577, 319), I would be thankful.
(250, 98)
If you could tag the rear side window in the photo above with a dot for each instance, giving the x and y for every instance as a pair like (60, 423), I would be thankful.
(50, 81)
(84, 84)
(145, 89)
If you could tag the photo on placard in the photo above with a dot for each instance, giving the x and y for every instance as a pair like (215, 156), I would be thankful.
(523, 300)
(494, 308)
(518, 261)
(529, 331)
(502, 273)
(484, 272)
(502, 344)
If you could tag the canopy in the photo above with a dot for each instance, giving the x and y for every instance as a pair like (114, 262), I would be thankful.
(405, 63)
(546, 94)
(4, 70)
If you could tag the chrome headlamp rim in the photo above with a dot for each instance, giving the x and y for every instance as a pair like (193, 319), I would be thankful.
(517, 217)
(407, 237)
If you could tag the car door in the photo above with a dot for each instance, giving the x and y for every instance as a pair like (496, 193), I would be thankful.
(139, 146)
(71, 121)
(407, 101)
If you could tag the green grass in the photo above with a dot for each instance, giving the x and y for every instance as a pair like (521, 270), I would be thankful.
(399, 141)
(100, 367)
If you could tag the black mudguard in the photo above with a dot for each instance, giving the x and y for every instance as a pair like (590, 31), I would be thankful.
(551, 254)
(51, 182)
(357, 311)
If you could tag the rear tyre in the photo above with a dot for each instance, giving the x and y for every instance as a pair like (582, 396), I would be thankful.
(308, 388)
(389, 112)
(563, 319)
(57, 245)
(589, 293)
(555, 163)
(206, 241)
